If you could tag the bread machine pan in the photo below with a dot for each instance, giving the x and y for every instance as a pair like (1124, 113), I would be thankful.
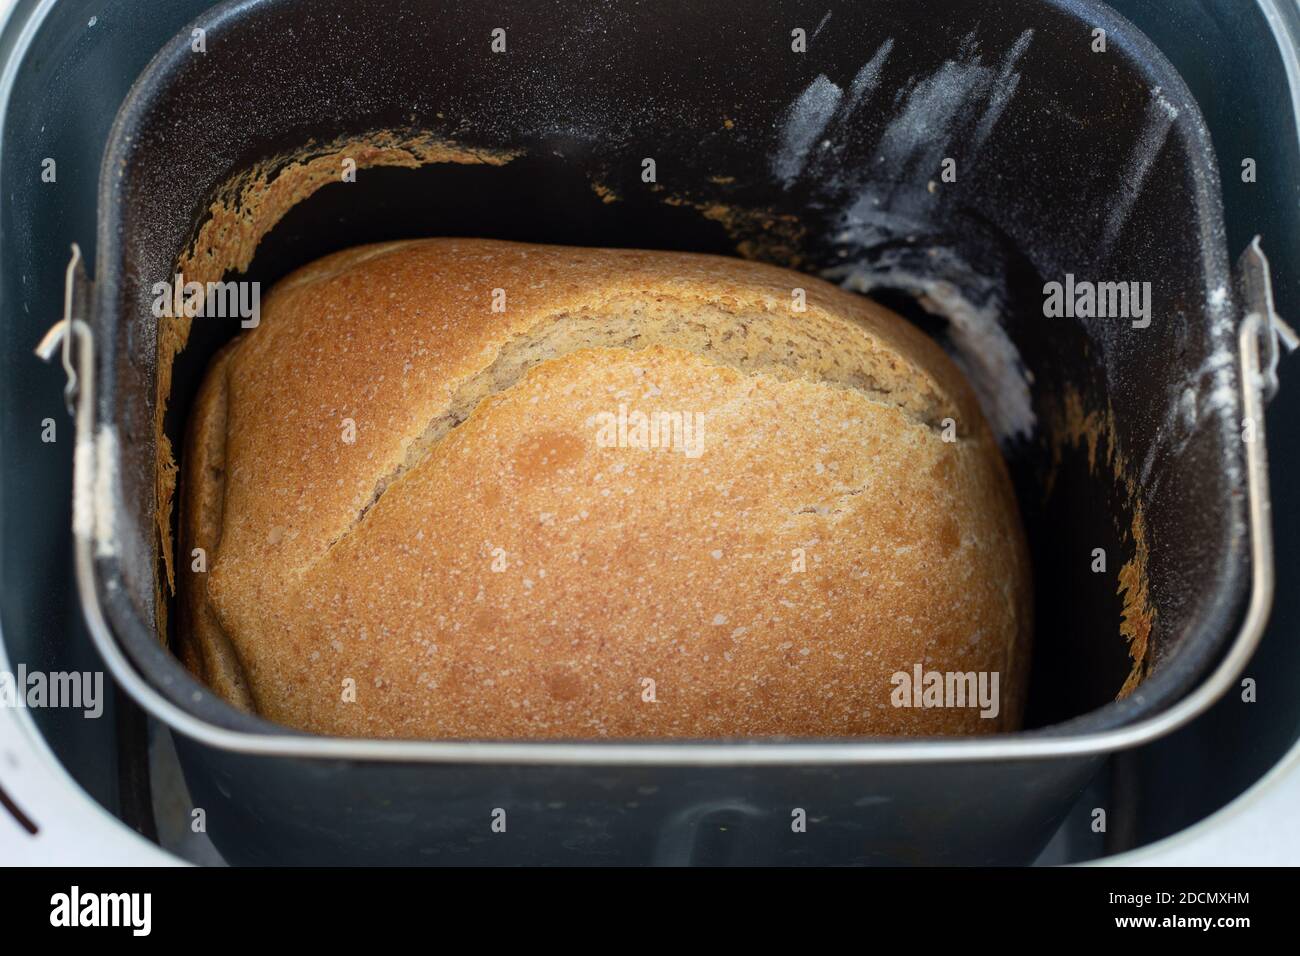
(952, 158)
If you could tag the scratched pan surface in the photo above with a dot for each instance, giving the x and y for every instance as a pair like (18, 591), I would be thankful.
(1067, 161)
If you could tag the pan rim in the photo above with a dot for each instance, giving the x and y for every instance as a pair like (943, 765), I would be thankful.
(1097, 731)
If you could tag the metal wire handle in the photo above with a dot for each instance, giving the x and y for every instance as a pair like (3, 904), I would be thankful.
(1257, 289)
(61, 333)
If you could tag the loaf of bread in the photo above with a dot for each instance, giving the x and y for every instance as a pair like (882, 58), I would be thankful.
(464, 488)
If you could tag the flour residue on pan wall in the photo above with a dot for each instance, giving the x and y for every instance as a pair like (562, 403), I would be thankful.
(886, 210)
(1209, 391)
(972, 307)
(1160, 117)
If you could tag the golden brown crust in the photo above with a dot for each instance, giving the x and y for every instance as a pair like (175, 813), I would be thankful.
(204, 648)
(423, 536)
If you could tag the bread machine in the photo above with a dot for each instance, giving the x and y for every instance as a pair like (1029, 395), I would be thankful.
(1072, 159)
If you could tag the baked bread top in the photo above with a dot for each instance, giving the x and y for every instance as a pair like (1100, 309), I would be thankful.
(427, 512)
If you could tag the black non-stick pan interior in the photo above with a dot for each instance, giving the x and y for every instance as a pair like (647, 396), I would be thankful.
(1060, 159)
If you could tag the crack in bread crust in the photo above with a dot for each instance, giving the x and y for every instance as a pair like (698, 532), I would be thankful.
(729, 340)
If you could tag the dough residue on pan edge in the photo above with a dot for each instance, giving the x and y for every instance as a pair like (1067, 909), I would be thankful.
(243, 211)
(1095, 431)
(1137, 616)
(760, 234)
(606, 194)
